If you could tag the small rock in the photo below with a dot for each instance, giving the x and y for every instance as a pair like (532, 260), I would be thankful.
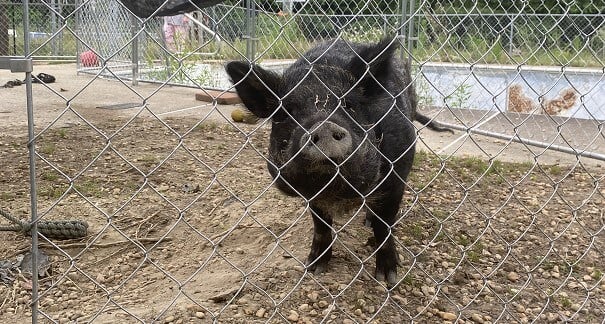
(552, 317)
(261, 312)
(513, 276)
(477, 318)
(293, 317)
(169, 319)
(303, 308)
(448, 316)
(322, 304)
(200, 315)
(400, 299)
(428, 290)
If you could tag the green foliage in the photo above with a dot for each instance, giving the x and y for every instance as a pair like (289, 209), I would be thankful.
(459, 98)
(179, 71)
(423, 89)
(537, 6)
(280, 36)
(363, 33)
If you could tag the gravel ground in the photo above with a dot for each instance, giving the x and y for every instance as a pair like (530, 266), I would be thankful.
(184, 226)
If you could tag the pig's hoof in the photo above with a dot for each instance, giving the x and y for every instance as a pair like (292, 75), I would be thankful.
(318, 262)
(390, 277)
(318, 267)
(386, 269)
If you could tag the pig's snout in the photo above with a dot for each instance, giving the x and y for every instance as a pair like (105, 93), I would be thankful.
(326, 139)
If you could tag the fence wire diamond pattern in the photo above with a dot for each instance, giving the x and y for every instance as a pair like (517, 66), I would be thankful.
(501, 221)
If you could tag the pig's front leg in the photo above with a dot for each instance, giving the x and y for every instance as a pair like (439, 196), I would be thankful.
(382, 215)
(321, 248)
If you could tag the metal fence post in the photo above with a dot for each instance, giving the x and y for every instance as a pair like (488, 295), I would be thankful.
(405, 29)
(287, 6)
(135, 51)
(511, 45)
(250, 30)
(411, 37)
(78, 29)
(32, 167)
(53, 26)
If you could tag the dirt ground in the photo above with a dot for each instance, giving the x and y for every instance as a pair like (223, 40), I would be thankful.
(184, 225)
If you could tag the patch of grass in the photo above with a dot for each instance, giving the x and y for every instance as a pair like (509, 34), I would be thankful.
(88, 188)
(51, 192)
(207, 126)
(555, 170)
(462, 240)
(547, 265)
(47, 148)
(62, 132)
(565, 302)
(474, 255)
(416, 231)
(148, 159)
(473, 252)
(49, 176)
(6, 196)
(410, 281)
(471, 164)
(597, 274)
(440, 214)
(440, 237)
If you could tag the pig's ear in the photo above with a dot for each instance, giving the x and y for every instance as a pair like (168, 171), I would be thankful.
(255, 86)
(379, 58)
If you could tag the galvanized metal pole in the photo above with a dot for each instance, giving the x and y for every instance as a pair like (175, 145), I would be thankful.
(32, 166)
(287, 6)
(411, 37)
(53, 26)
(135, 50)
(78, 29)
(251, 30)
(510, 37)
(402, 24)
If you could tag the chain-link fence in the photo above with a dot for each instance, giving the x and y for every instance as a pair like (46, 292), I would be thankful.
(152, 206)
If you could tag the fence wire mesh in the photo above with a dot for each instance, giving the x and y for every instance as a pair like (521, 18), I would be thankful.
(501, 222)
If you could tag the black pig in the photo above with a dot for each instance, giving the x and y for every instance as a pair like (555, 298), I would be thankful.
(341, 137)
